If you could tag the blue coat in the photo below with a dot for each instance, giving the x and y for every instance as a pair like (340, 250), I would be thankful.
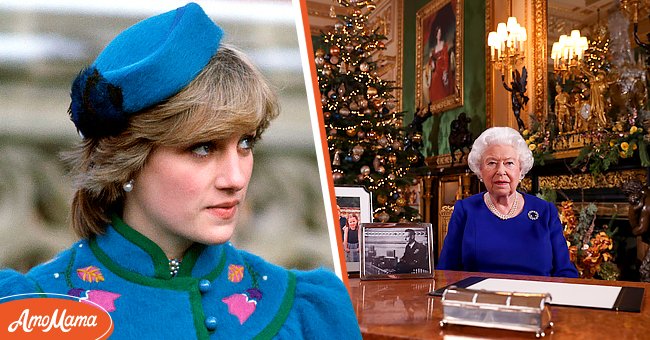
(219, 291)
(531, 243)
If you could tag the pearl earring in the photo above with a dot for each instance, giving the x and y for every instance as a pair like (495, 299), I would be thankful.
(128, 186)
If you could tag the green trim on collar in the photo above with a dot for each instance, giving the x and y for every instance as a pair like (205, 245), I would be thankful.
(177, 283)
(219, 268)
(189, 259)
(198, 315)
(281, 316)
(160, 260)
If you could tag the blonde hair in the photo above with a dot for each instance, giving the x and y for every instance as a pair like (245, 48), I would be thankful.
(228, 96)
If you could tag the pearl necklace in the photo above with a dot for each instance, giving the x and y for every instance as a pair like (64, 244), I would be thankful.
(511, 213)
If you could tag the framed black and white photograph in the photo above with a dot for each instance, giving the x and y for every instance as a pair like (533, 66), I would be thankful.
(354, 205)
(396, 250)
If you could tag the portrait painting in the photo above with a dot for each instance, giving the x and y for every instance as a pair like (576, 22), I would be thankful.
(439, 55)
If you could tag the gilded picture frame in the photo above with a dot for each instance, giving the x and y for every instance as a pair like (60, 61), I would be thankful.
(439, 55)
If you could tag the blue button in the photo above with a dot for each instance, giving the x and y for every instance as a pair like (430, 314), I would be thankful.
(211, 323)
(204, 285)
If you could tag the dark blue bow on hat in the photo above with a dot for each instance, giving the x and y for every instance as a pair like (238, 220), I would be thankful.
(143, 66)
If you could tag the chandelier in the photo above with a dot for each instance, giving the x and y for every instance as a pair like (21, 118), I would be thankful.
(567, 54)
(507, 45)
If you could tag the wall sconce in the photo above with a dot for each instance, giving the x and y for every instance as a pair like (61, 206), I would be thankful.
(567, 54)
(506, 52)
(507, 45)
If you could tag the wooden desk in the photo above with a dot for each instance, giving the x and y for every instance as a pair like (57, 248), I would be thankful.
(402, 309)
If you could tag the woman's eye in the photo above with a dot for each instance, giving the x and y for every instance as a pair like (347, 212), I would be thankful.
(247, 142)
(202, 150)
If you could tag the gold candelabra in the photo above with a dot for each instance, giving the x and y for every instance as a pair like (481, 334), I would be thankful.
(567, 54)
(507, 45)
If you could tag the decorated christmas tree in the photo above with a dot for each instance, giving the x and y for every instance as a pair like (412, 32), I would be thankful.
(367, 143)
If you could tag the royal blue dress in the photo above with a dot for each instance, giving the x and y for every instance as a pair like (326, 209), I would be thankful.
(531, 243)
(219, 292)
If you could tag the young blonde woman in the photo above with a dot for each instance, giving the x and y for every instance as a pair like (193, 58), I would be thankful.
(169, 117)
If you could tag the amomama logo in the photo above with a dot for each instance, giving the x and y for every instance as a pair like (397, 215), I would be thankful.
(52, 316)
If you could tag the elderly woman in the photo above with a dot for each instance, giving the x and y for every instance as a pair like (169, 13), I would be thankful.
(502, 230)
(169, 117)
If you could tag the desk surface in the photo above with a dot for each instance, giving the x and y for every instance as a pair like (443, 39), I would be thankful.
(402, 309)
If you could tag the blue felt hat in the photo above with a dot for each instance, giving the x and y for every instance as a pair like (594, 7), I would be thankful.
(144, 65)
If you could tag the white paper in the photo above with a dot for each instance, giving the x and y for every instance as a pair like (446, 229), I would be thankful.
(567, 294)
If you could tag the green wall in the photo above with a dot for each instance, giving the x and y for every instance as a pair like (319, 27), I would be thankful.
(436, 129)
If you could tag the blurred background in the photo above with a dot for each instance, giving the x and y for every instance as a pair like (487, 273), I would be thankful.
(45, 43)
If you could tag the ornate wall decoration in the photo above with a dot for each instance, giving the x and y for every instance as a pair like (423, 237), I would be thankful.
(613, 179)
(539, 59)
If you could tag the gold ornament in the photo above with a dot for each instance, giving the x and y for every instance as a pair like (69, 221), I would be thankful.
(337, 157)
(365, 170)
(334, 50)
(400, 202)
(364, 67)
(320, 52)
(344, 111)
(351, 132)
(383, 216)
(371, 91)
(341, 89)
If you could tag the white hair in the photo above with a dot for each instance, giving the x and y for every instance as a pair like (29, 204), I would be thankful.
(500, 136)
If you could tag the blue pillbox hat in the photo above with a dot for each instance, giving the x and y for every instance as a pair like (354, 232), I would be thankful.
(143, 66)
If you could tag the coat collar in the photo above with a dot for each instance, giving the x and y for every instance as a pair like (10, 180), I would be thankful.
(138, 254)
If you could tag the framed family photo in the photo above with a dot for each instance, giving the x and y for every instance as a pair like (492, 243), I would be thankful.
(439, 55)
(396, 250)
(354, 205)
